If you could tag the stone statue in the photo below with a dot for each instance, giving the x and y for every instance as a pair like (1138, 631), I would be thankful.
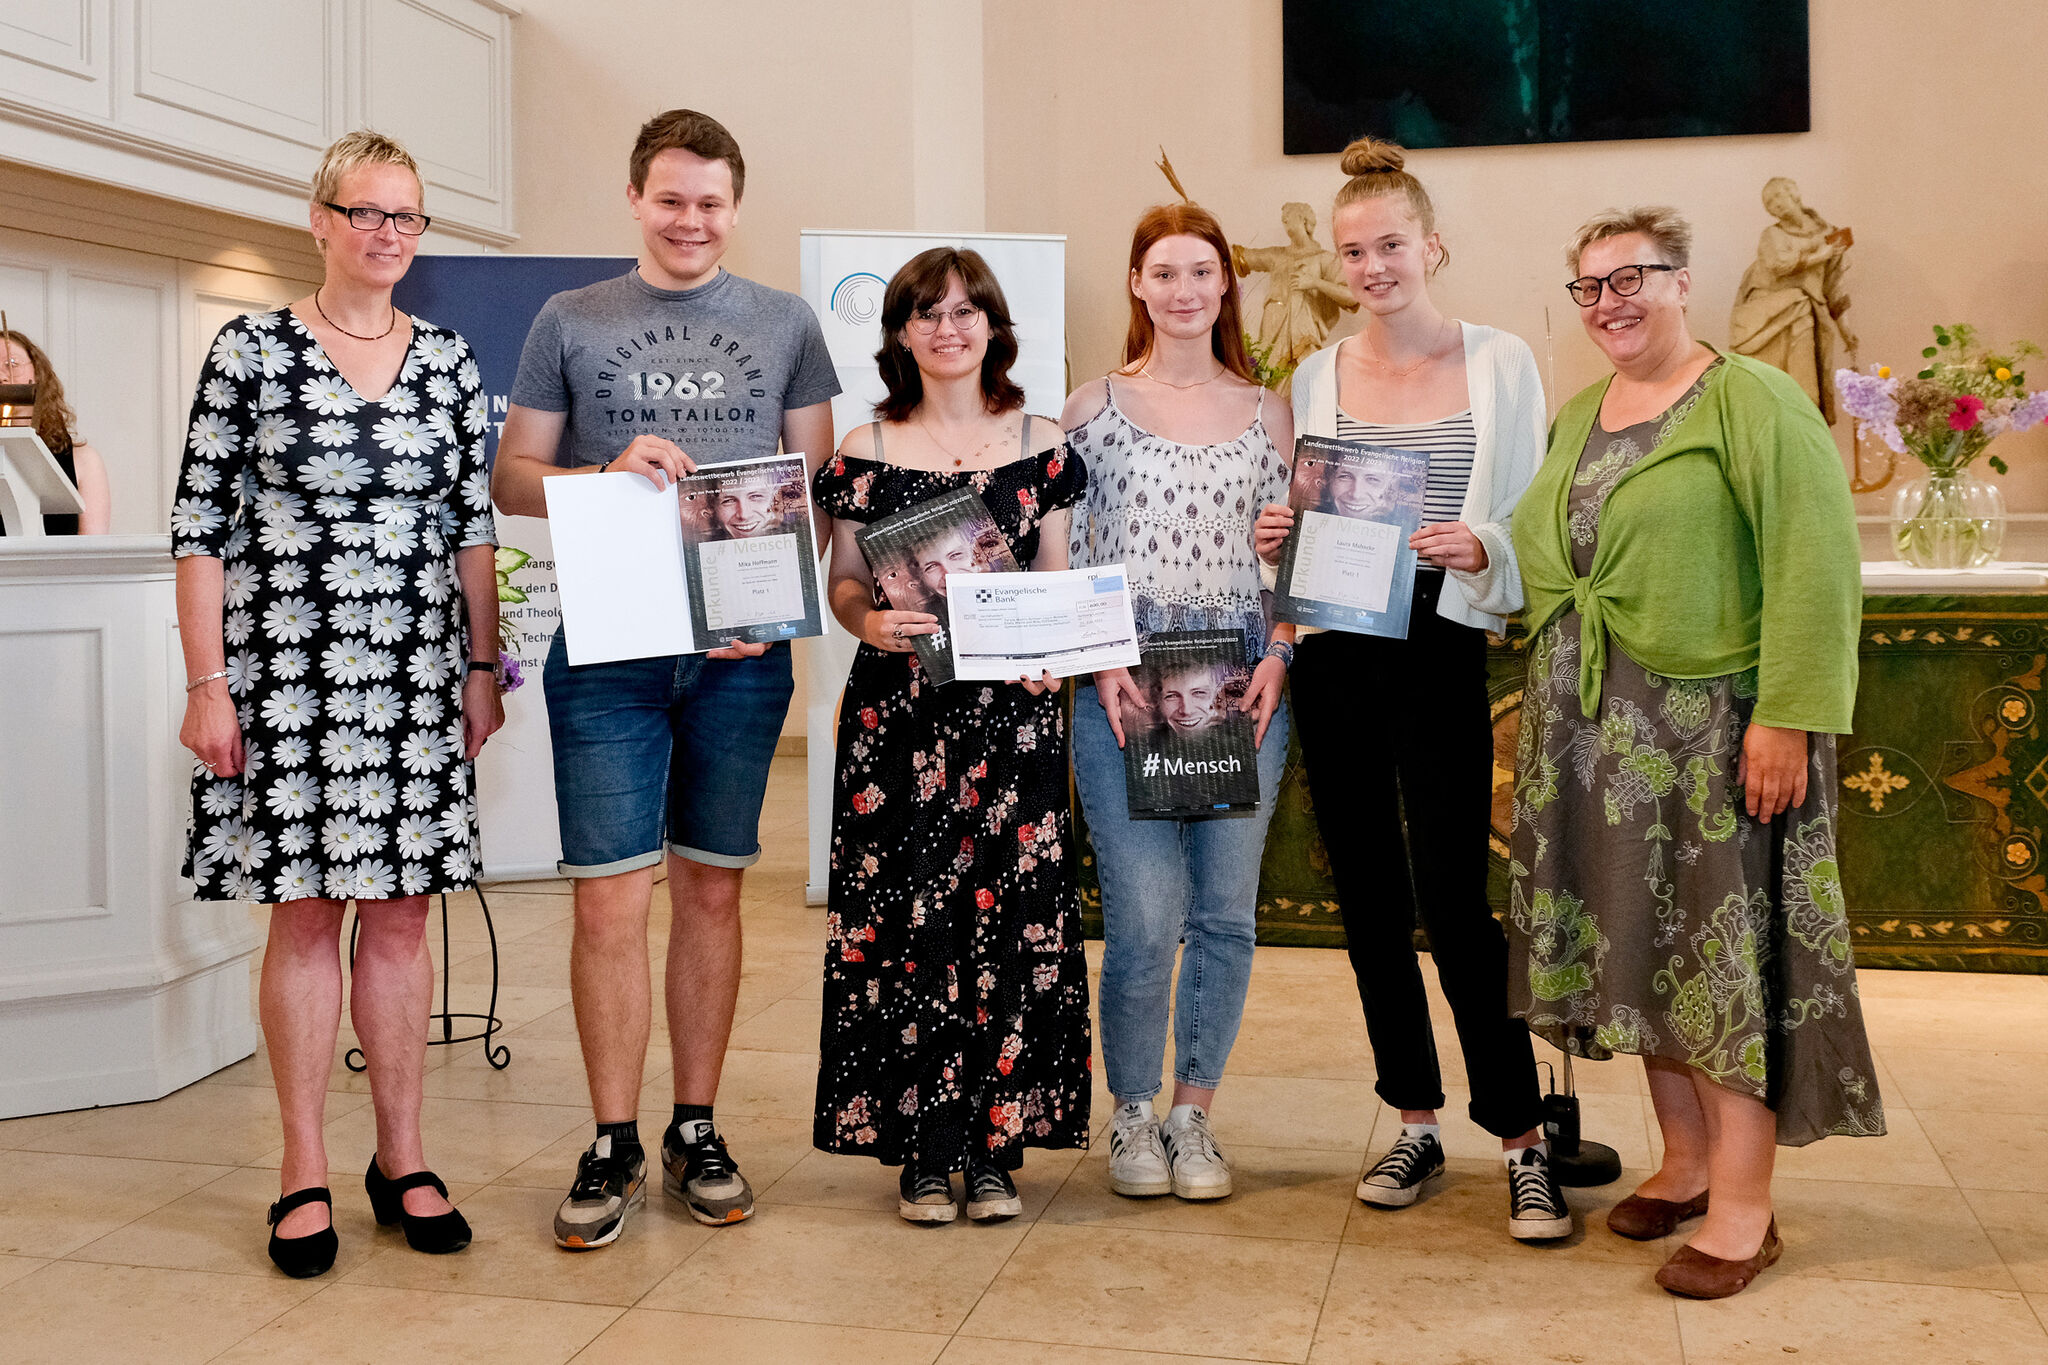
(1788, 310)
(1305, 291)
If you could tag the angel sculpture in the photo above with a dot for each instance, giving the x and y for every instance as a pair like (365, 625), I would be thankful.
(1305, 290)
(1788, 309)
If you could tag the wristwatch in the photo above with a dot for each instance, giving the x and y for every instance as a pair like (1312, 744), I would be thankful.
(484, 666)
(1284, 652)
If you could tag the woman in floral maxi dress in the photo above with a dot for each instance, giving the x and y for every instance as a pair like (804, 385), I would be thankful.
(956, 995)
(1690, 559)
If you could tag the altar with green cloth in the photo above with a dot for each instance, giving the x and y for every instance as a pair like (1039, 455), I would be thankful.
(1944, 798)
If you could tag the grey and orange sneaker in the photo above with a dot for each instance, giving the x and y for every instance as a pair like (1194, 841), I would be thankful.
(608, 1187)
(697, 1169)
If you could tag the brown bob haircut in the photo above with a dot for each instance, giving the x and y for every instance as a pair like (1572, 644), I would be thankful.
(54, 417)
(686, 130)
(919, 285)
(1226, 338)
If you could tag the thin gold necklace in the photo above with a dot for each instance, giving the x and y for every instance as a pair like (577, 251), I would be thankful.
(1436, 343)
(1144, 372)
(345, 331)
(958, 460)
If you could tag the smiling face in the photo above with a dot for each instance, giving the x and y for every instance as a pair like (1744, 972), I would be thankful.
(1181, 283)
(949, 350)
(747, 510)
(1384, 253)
(1188, 699)
(686, 213)
(1358, 491)
(377, 259)
(952, 552)
(1636, 332)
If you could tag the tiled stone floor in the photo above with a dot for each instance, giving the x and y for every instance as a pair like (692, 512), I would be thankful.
(136, 1234)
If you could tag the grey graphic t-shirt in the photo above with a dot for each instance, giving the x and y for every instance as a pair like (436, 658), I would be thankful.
(711, 368)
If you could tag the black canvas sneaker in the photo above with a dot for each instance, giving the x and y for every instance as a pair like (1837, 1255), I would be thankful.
(1396, 1179)
(607, 1188)
(991, 1194)
(925, 1196)
(1536, 1208)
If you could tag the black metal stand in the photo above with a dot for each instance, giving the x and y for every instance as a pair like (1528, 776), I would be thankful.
(1575, 1160)
(500, 1056)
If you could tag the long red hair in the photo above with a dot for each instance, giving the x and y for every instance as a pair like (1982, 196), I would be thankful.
(1226, 338)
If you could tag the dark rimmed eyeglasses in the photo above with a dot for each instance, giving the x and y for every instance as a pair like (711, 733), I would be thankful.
(926, 320)
(1626, 280)
(363, 218)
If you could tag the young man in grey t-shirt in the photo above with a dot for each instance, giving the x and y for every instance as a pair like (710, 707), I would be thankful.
(673, 365)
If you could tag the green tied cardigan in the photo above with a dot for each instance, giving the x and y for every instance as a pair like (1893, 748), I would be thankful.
(1730, 546)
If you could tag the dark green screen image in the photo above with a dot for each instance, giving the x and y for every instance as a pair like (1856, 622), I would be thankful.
(1475, 73)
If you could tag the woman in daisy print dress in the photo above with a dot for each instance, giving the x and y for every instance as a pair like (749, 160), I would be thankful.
(337, 603)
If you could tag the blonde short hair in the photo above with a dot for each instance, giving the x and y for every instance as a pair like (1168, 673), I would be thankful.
(1663, 225)
(363, 147)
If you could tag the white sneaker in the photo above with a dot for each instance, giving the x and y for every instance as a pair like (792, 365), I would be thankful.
(1199, 1170)
(1137, 1158)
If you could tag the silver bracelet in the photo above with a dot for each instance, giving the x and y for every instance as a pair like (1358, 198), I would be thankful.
(201, 682)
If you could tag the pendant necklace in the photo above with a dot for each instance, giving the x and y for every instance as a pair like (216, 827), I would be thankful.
(345, 331)
(958, 461)
(1404, 372)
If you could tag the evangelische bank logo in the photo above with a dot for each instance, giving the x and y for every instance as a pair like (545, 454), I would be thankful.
(857, 299)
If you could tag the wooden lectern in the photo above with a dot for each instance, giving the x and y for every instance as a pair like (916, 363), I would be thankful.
(31, 483)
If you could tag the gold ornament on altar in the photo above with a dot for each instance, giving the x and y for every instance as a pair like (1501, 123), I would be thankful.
(1788, 309)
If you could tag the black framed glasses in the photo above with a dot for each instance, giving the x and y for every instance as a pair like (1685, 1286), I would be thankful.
(926, 320)
(363, 218)
(1625, 280)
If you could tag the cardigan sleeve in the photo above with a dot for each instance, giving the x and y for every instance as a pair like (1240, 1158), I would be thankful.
(1787, 478)
(1520, 438)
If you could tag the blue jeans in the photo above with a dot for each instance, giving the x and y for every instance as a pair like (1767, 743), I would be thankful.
(1165, 882)
(679, 744)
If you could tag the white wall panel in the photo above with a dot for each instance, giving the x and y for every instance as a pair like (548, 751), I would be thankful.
(53, 831)
(56, 52)
(240, 75)
(433, 79)
(116, 380)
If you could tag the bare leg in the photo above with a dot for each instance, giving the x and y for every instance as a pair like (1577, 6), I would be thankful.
(608, 980)
(1513, 1144)
(1685, 1129)
(1744, 1147)
(301, 1011)
(703, 973)
(389, 996)
(1184, 1093)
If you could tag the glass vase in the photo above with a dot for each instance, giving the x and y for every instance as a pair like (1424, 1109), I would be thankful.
(1948, 521)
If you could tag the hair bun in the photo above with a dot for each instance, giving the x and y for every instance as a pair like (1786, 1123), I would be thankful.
(1370, 156)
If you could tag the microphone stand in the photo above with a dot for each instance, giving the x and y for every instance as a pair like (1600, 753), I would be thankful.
(1574, 1160)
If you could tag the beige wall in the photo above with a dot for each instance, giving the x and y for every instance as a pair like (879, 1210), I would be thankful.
(1926, 125)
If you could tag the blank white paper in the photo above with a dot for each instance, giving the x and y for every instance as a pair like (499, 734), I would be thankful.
(619, 567)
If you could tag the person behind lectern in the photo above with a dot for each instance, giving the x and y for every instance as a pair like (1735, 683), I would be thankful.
(23, 362)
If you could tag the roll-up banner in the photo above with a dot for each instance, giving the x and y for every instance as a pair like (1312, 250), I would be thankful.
(844, 276)
(491, 300)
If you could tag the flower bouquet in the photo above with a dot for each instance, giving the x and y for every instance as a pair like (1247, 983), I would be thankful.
(1945, 416)
(508, 562)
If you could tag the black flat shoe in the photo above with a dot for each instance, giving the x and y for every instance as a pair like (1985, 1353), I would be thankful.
(438, 1234)
(304, 1257)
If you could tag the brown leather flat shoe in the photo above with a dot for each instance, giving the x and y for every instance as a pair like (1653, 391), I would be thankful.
(1643, 1219)
(1693, 1274)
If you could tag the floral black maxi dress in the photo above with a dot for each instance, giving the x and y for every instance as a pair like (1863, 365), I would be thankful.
(336, 519)
(956, 992)
(1650, 914)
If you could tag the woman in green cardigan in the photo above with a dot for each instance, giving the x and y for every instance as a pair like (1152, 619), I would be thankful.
(1689, 555)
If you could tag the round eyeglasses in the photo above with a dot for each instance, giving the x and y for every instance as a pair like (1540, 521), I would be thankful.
(964, 318)
(1626, 280)
(363, 218)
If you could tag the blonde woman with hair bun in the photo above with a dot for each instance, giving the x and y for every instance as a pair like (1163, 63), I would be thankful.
(1468, 396)
(338, 608)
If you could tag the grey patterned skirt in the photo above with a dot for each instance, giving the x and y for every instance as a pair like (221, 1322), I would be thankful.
(1650, 914)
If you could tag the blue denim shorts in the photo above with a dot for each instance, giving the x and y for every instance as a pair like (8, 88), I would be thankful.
(679, 744)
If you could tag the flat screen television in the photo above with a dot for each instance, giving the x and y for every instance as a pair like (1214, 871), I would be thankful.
(1476, 73)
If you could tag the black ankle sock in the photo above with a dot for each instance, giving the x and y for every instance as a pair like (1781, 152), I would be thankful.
(625, 1136)
(686, 1113)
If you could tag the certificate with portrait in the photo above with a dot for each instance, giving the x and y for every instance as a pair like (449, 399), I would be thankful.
(1063, 622)
(1347, 564)
(1190, 752)
(749, 552)
(911, 553)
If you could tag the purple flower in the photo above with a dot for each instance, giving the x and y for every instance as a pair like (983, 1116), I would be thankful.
(1874, 401)
(513, 677)
(2032, 410)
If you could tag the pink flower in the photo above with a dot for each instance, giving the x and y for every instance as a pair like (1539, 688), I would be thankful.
(1965, 413)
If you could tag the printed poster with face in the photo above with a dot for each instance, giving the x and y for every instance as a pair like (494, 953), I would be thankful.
(1189, 752)
(1347, 564)
(749, 554)
(911, 552)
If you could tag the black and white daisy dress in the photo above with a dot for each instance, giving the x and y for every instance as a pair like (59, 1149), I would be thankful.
(336, 520)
